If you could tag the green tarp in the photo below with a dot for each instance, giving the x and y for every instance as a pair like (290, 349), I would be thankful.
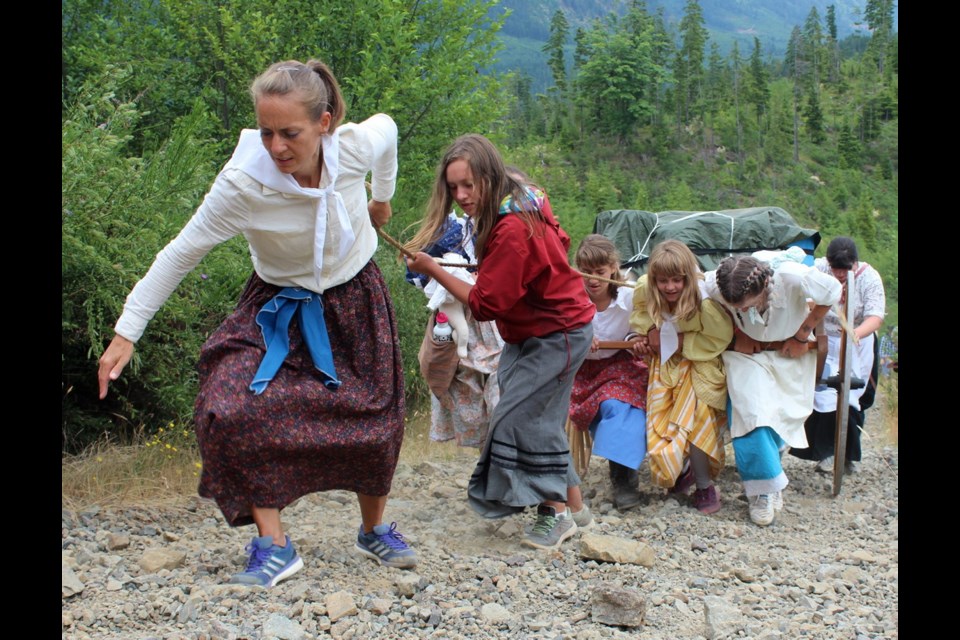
(711, 235)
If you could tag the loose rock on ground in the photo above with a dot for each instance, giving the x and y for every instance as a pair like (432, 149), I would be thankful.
(827, 568)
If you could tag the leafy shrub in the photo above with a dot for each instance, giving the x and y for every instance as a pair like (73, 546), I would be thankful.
(118, 210)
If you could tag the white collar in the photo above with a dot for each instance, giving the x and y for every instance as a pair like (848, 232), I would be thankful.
(252, 158)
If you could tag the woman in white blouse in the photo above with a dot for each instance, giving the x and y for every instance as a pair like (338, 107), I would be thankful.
(770, 366)
(292, 405)
(869, 307)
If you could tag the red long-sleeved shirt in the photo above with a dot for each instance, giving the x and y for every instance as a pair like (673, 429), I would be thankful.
(526, 284)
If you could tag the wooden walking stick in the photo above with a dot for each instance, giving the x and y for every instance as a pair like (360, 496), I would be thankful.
(409, 254)
(843, 393)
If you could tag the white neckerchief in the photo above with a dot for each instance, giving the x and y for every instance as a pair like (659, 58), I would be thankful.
(669, 338)
(252, 158)
(669, 333)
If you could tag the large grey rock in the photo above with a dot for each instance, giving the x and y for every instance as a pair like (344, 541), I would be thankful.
(378, 606)
(190, 610)
(510, 529)
(493, 612)
(218, 630)
(70, 584)
(339, 605)
(447, 492)
(407, 584)
(723, 620)
(595, 546)
(744, 575)
(864, 556)
(617, 606)
(428, 468)
(158, 558)
(282, 628)
(117, 541)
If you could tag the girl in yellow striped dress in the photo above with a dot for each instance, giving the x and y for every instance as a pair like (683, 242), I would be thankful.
(687, 394)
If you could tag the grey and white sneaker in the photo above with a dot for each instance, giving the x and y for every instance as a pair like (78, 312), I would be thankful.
(776, 499)
(550, 529)
(825, 465)
(762, 510)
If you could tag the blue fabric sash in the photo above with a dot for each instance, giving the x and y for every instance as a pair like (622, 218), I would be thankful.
(274, 321)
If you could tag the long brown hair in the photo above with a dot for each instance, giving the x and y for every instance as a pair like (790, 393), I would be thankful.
(742, 277)
(597, 251)
(314, 82)
(493, 184)
(672, 259)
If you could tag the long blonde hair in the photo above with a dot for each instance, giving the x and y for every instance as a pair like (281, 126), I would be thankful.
(493, 184)
(671, 259)
(596, 251)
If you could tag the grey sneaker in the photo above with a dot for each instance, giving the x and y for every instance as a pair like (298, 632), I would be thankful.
(550, 528)
(583, 518)
(825, 465)
(852, 466)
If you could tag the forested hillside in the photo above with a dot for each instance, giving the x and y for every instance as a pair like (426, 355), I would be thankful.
(527, 25)
(640, 113)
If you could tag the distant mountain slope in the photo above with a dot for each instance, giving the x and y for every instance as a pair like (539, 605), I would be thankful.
(528, 25)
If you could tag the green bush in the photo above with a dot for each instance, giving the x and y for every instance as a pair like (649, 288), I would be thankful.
(118, 211)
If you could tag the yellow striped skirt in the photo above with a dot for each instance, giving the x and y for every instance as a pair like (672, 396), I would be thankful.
(675, 420)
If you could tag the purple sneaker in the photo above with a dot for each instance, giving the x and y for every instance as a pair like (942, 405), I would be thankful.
(385, 545)
(269, 563)
(707, 500)
(684, 482)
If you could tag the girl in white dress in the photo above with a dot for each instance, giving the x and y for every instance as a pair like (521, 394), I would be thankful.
(770, 365)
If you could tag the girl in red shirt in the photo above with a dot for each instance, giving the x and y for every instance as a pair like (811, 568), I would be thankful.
(525, 284)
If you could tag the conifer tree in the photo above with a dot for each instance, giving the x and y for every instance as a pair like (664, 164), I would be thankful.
(813, 48)
(833, 44)
(688, 70)
(559, 29)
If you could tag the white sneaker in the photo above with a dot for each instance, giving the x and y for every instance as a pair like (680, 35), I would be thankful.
(761, 509)
(825, 465)
(776, 499)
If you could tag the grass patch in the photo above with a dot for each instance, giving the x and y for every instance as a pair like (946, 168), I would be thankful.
(888, 397)
(165, 467)
(108, 473)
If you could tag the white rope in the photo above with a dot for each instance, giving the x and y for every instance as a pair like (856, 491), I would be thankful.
(641, 253)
